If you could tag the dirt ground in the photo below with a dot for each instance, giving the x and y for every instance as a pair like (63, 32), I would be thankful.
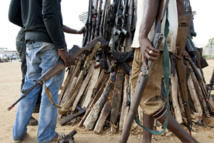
(10, 81)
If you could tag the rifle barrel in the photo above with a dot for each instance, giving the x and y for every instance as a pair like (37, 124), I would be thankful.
(23, 96)
(142, 81)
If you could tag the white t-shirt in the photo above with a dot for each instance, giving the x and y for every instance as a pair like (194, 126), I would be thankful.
(173, 25)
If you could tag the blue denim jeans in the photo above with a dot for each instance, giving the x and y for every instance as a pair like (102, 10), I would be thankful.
(40, 57)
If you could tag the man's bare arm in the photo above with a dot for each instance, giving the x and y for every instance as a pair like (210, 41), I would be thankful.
(69, 30)
(150, 13)
(66, 57)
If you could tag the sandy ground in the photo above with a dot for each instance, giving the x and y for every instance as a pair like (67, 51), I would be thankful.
(10, 81)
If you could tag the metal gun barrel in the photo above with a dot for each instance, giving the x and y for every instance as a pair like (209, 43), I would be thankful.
(25, 93)
(141, 84)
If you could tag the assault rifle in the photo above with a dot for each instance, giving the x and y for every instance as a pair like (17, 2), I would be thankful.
(123, 30)
(109, 19)
(103, 18)
(142, 80)
(199, 77)
(89, 20)
(129, 26)
(194, 52)
(87, 31)
(75, 52)
(121, 57)
(188, 10)
(94, 18)
(190, 46)
(98, 19)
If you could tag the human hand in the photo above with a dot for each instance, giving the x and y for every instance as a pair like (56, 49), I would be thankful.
(66, 57)
(148, 51)
(81, 30)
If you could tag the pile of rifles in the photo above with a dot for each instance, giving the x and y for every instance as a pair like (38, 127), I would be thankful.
(97, 90)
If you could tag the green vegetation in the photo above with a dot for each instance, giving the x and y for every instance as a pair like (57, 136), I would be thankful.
(210, 44)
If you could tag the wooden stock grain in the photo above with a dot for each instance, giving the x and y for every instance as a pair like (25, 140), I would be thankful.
(175, 102)
(93, 115)
(124, 102)
(103, 116)
(183, 29)
(116, 102)
(97, 96)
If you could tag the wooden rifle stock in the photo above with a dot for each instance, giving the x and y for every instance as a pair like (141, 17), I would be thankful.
(197, 74)
(202, 85)
(183, 29)
(58, 66)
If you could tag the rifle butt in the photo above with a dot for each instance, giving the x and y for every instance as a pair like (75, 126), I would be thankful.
(183, 30)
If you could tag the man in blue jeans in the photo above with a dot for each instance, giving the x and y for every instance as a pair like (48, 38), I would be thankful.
(21, 48)
(45, 44)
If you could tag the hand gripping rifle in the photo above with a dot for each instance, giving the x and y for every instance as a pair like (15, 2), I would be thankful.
(57, 67)
(143, 79)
